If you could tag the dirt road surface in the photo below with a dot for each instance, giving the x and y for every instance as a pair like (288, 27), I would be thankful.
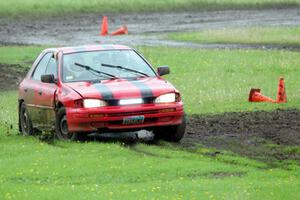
(144, 29)
(261, 135)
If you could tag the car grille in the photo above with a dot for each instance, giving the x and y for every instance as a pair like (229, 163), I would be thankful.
(132, 113)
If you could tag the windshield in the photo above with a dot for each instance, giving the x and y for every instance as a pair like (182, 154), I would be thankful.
(100, 65)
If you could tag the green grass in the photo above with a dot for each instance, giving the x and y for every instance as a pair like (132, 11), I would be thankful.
(39, 8)
(23, 55)
(211, 81)
(289, 36)
(111, 171)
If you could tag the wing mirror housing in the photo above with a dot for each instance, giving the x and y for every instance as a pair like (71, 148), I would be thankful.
(163, 70)
(48, 78)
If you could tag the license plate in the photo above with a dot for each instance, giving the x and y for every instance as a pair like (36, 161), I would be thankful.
(133, 120)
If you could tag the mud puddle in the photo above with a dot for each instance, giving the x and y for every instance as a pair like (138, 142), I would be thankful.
(144, 28)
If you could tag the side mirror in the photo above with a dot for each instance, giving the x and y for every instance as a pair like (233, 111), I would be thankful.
(48, 78)
(163, 70)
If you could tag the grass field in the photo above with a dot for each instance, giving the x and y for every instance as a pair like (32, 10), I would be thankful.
(34, 170)
(21, 8)
(289, 36)
(212, 81)
(23, 55)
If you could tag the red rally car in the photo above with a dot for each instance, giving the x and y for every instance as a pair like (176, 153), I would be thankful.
(103, 88)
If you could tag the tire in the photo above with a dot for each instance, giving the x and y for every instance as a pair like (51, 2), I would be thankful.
(171, 133)
(25, 121)
(61, 126)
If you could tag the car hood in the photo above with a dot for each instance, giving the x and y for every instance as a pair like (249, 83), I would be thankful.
(123, 88)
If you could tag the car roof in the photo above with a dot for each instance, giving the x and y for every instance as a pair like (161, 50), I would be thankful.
(66, 50)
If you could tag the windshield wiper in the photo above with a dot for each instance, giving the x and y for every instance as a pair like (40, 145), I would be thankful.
(124, 68)
(88, 68)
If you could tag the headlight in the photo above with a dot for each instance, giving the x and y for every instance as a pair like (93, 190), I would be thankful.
(165, 98)
(93, 103)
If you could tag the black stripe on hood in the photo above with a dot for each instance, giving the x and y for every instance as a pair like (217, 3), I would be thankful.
(145, 90)
(105, 92)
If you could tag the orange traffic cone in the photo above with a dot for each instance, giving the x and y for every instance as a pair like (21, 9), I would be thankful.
(281, 95)
(256, 96)
(104, 27)
(121, 31)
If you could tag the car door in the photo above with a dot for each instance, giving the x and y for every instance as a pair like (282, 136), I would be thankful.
(46, 97)
(32, 86)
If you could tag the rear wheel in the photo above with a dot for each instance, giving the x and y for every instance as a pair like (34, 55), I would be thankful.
(61, 126)
(25, 122)
(171, 133)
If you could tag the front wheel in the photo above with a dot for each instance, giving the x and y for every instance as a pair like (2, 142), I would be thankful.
(61, 126)
(25, 122)
(171, 133)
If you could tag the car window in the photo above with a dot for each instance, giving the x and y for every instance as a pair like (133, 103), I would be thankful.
(41, 67)
(52, 67)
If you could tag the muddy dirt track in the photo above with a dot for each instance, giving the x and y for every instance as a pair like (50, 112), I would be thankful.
(144, 29)
(260, 135)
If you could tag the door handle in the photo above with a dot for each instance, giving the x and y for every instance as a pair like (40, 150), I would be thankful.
(40, 92)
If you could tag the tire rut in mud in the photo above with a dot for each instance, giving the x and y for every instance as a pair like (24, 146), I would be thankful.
(262, 135)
